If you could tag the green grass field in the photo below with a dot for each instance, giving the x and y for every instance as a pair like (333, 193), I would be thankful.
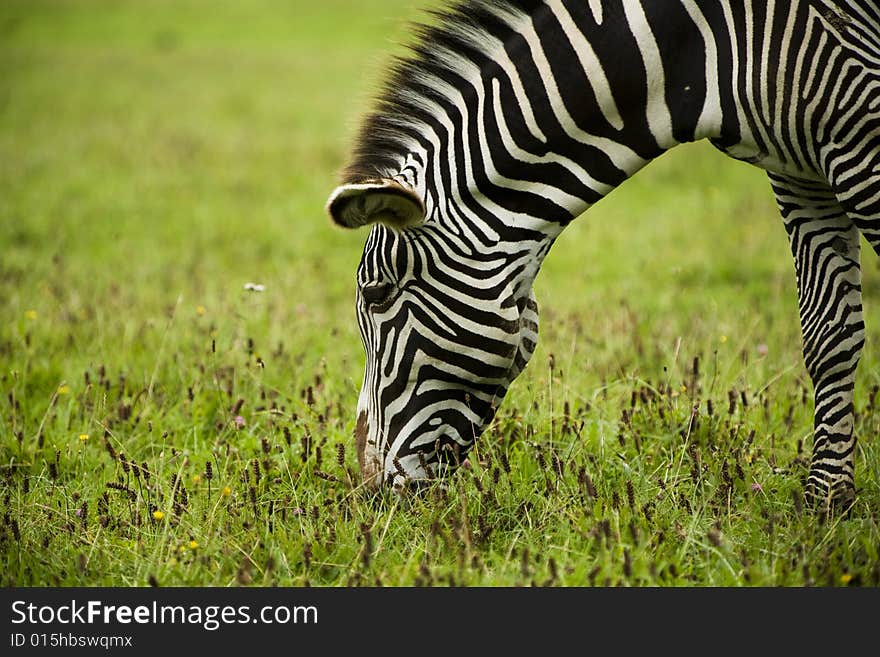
(163, 425)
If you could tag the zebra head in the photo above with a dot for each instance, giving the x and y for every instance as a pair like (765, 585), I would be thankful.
(446, 329)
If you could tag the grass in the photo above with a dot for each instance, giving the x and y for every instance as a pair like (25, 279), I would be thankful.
(163, 425)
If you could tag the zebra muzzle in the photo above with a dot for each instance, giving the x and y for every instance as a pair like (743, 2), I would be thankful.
(368, 460)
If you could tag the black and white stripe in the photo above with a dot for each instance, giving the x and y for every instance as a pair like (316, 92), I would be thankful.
(509, 119)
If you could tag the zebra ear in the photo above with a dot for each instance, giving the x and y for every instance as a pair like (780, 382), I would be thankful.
(381, 200)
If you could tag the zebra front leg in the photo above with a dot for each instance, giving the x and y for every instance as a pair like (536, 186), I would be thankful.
(825, 245)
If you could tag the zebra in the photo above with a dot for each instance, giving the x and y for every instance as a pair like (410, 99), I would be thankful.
(507, 120)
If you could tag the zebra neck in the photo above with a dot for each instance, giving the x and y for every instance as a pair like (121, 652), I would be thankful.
(542, 114)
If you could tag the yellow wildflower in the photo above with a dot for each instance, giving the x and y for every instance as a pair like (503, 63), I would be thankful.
(30, 314)
(193, 544)
(83, 437)
(158, 515)
(63, 389)
(196, 478)
(723, 339)
(200, 310)
(845, 578)
(226, 491)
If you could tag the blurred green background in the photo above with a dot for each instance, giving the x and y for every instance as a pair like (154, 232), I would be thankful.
(156, 152)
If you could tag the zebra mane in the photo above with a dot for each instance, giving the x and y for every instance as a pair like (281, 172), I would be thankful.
(415, 82)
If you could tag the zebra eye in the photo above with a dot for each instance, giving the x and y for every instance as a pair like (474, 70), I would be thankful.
(376, 294)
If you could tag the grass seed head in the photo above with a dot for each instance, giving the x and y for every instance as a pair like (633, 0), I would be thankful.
(397, 466)
(366, 534)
